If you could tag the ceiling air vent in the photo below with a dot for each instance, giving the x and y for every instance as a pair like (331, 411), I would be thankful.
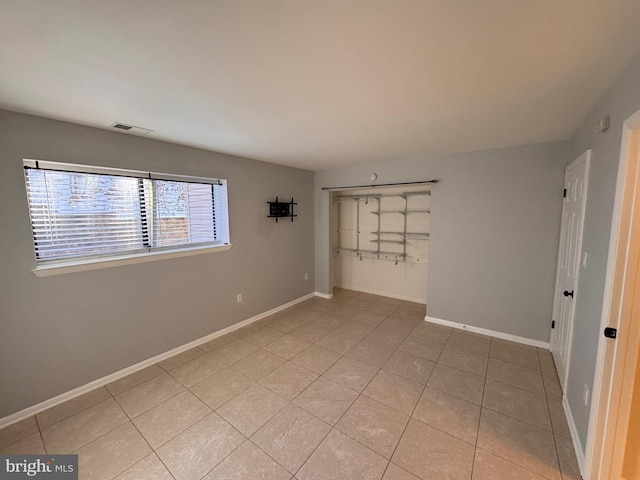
(131, 128)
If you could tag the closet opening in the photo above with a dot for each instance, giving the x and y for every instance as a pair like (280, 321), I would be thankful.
(380, 240)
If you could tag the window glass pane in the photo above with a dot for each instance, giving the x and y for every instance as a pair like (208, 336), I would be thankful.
(183, 213)
(80, 214)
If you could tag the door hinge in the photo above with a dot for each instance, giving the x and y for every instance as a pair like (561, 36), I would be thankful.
(610, 332)
(553, 324)
(564, 193)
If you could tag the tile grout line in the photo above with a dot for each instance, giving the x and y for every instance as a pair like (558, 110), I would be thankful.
(181, 431)
(226, 365)
(35, 417)
(553, 433)
(153, 452)
(317, 446)
(484, 389)
(246, 439)
(414, 409)
(516, 418)
(542, 395)
(162, 370)
(74, 414)
(516, 464)
(79, 412)
(267, 453)
(151, 408)
(204, 352)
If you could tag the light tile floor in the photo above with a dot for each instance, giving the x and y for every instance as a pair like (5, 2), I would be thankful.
(356, 387)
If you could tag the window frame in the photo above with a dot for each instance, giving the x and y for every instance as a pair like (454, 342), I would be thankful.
(47, 267)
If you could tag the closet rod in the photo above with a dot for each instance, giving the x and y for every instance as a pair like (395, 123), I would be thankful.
(381, 185)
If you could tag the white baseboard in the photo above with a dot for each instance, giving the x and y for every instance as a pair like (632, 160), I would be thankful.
(490, 333)
(327, 296)
(382, 294)
(63, 397)
(574, 434)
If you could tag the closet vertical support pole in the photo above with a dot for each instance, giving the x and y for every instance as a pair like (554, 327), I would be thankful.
(404, 237)
(358, 225)
(379, 215)
(337, 204)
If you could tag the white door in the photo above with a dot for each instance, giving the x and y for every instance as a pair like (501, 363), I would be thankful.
(569, 257)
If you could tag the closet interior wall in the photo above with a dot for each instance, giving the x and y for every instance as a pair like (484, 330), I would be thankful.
(380, 240)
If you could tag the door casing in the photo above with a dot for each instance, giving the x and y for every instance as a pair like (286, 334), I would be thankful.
(611, 403)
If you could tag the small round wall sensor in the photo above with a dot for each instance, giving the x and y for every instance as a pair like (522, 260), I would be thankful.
(373, 177)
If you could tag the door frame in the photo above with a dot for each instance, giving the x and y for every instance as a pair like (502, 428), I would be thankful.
(586, 158)
(611, 403)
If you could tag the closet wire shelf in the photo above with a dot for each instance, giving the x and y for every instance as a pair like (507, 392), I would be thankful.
(403, 235)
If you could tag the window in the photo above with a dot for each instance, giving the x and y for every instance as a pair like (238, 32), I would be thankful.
(82, 212)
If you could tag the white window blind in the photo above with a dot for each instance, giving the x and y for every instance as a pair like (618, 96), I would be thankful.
(83, 211)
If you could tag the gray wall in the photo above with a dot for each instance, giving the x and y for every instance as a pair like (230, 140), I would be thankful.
(61, 332)
(620, 102)
(495, 227)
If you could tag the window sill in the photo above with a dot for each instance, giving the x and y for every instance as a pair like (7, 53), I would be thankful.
(98, 263)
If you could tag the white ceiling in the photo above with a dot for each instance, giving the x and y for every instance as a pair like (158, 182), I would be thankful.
(321, 83)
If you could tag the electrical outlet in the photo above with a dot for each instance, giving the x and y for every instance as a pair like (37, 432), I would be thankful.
(239, 298)
(306, 276)
(586, 394)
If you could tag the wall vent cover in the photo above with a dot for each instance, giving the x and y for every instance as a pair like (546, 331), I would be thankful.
(131, 128)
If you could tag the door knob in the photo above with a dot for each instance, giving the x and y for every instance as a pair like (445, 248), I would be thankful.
(567, 293)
